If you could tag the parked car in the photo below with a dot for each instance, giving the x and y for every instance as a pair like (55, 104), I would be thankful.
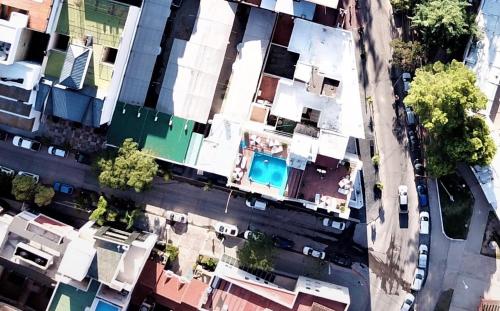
(419, 167)
(406, 82)
(281, 242)
(411, 117)
(58, 152)
(26, 143)
(82, 157)
(177, 217)
(7, 171)
(226, 229)
(423, 199)
(408, 302)
(403, 198)
(34, 176)
(254, 235)
(257, 204)
(341, 260)
(424, 223)
(418, 279)
(423, 252)
(3, 135)
(309, 251)
(339, 225)
(63, 188)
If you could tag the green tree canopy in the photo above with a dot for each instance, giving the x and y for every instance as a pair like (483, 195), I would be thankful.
(257, 253)
(99, 214)
(446, 100)
(23, 188)
(130, 168)
(402, 5)
(443, 21)
(407, 55)
(43, 195)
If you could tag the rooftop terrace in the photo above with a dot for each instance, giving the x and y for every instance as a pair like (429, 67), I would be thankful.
(38, 11)
(101, 20)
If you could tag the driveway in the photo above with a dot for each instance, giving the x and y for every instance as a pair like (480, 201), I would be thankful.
(458, 264)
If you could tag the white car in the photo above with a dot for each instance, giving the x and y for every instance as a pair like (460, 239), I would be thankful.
(409, 300)
(177, 217)
(7, 171)
(226, 229)
(26, 143)
(57, 152)
(309, 251)
(403, 198)
(406, 81)
(256, 204)
(418, 279)
(35, 177)
(424, 223)
(327, 222)
(423, 252)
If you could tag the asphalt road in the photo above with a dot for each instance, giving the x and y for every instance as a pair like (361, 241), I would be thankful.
(392, 240)
(301, 227)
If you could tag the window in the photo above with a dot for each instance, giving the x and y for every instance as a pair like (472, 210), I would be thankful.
(61, 42)
(109, 55)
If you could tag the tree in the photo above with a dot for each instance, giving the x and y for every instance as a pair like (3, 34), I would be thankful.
(407, 55)
(257, 252)
(130, 218)
(130, 168)
(99, 214)
(443, 21)
(402, 5)
(23, 188)
(446, 99)
(43, 195)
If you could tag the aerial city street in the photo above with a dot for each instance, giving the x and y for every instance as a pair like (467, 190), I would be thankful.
(249, 155)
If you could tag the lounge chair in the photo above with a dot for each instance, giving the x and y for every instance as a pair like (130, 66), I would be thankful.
(243, 162)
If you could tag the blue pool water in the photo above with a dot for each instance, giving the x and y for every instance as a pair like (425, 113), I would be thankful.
(269, 170)
(104, 306)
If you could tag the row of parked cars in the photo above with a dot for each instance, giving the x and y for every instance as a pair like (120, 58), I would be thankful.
(33, 145)
(423, 200)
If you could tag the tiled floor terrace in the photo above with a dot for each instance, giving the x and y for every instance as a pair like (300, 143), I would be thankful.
(325, 184)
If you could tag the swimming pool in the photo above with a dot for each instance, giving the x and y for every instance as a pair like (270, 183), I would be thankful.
(268, 170)
(105, 306)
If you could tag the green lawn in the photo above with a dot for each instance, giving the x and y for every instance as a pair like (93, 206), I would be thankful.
(456, 213)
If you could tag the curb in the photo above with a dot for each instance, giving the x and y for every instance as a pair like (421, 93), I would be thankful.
(441, 214)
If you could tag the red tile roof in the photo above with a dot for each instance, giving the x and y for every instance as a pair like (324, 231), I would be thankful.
(169, 290)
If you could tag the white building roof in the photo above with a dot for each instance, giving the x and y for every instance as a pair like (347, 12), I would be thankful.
(220, 147)
(332, 145)
(28, 72)
(193, 67)
(77, 259)
(248, 65)
(303, 9)
(484, 59)
(332, 51)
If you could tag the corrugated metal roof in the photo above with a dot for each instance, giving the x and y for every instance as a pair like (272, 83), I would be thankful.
(75, 66)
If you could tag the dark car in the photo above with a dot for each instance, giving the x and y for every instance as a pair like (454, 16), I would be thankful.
(3, 135)
(341, 260)
(83, 158)
(63, 188)
(423, 199)
(283, 243)
(419, 167)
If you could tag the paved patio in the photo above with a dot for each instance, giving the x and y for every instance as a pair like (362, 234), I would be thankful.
(64, 133)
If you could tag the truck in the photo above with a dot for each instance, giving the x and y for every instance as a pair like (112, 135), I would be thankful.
(26, 143)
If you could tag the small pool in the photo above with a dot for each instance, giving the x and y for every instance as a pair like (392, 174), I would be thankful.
(268, 170)
(105, 306)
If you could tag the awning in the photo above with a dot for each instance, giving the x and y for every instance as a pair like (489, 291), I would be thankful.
(77, 259)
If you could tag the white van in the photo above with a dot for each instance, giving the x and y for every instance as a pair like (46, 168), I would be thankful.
(257, 204)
